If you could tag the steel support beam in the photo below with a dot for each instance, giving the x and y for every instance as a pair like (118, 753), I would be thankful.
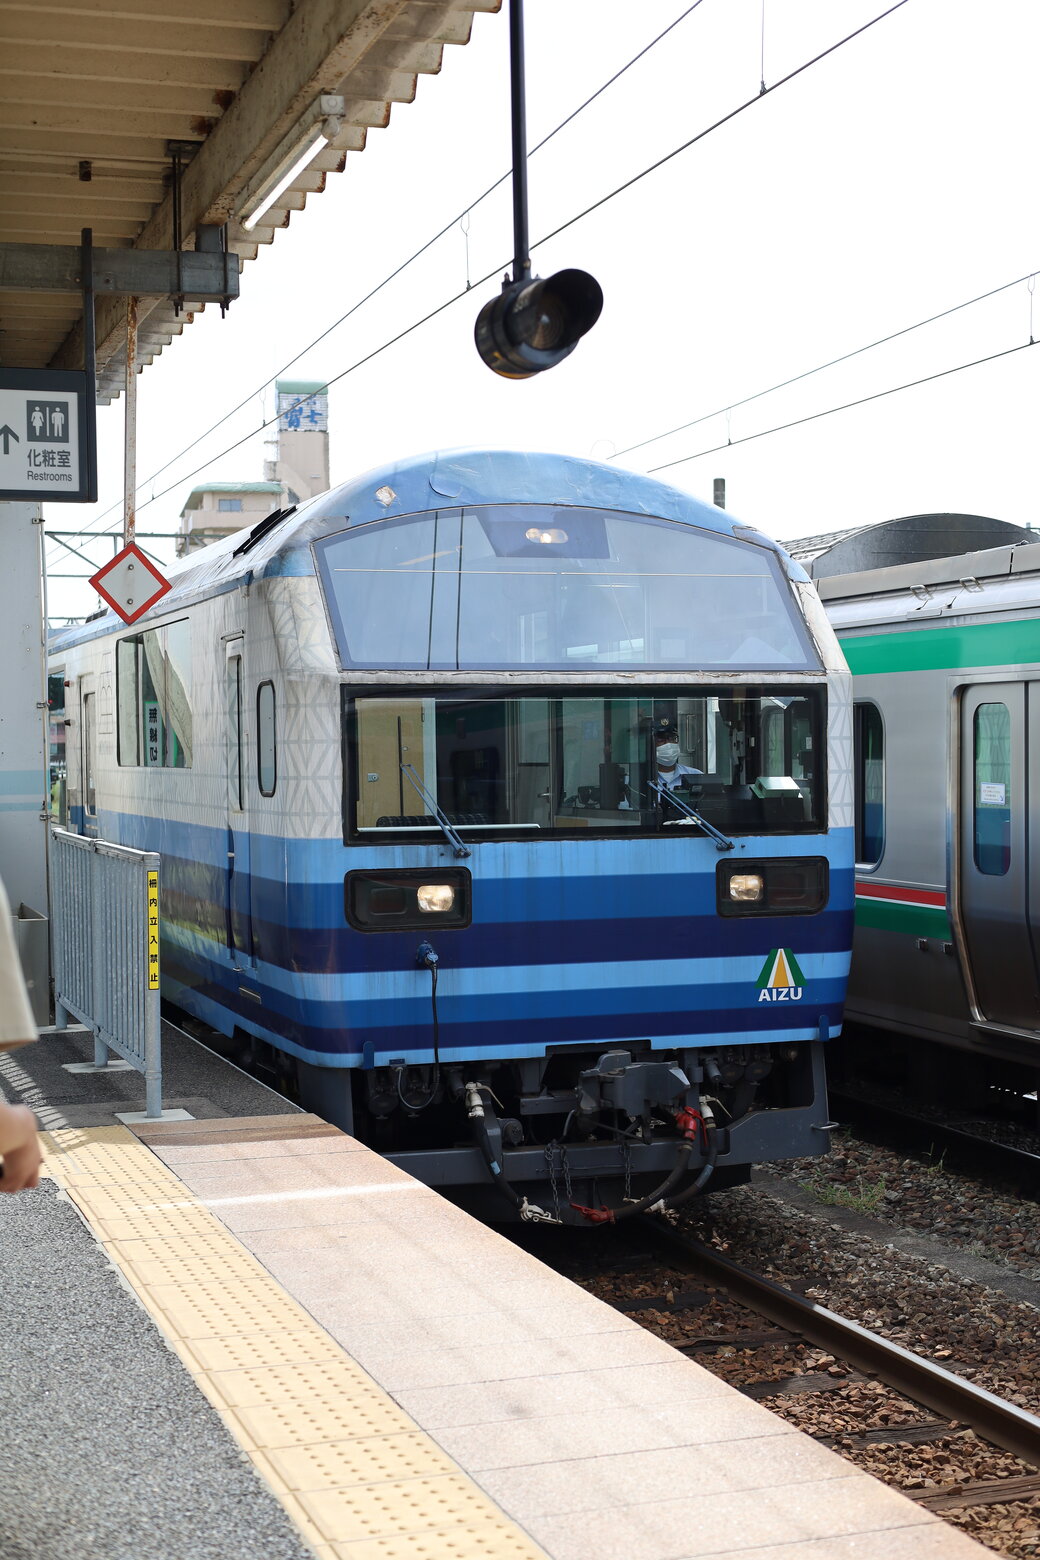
(154, 273)
(319, 45)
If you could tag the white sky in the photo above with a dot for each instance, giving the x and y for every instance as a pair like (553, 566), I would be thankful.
(889, 182)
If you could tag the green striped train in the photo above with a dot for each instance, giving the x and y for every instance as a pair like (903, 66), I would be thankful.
(939, 619)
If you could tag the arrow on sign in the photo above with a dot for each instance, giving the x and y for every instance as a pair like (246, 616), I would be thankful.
(7, 434)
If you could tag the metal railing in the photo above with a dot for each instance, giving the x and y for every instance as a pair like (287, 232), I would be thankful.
(105, 923)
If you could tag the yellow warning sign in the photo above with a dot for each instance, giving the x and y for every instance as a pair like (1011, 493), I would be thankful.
(153, 931)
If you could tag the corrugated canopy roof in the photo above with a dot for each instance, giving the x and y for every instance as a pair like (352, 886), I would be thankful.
(94, 91)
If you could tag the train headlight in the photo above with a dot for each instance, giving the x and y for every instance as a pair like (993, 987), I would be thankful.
(403, 899)
(791, 885)
(435, 898)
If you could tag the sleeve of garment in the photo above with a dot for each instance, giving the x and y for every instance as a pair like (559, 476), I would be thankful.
(16, 1021)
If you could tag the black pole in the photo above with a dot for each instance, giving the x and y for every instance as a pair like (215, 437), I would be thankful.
(521, 258)
(89, 455)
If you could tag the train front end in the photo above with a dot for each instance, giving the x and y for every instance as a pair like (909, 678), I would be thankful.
(597, 836)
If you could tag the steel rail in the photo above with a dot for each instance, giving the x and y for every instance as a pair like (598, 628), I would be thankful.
(990, 1154)
(993, 1419)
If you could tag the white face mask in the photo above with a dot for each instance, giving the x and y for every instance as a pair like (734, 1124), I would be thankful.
(667, 754)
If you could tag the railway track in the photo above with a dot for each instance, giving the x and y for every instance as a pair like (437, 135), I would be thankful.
(899, 1415)
(921, 1380)
(961, 1146)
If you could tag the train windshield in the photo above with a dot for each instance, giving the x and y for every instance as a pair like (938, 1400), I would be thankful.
(747, 760)
(550, 588)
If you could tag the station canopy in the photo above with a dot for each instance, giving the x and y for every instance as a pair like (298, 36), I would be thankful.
(110, 104)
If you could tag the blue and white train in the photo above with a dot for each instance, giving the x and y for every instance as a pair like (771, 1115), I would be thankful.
(398, 749)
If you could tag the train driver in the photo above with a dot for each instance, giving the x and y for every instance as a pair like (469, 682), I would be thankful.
(666, 752)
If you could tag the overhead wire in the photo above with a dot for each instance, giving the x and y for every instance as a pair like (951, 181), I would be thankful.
(416, 255)
(820, 368)
(571, 221)
(725, 120)
(829, 411)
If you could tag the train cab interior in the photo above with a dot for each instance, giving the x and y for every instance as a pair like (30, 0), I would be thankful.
(747, 761)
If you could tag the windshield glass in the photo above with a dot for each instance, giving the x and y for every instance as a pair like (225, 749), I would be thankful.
(558, 589)
(748, 760)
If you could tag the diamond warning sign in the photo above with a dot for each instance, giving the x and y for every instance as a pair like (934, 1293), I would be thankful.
(130, 583)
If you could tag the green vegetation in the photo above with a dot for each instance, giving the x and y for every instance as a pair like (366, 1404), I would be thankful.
(861, 1196)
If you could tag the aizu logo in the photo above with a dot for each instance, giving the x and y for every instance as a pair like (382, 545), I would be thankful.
(781, 979)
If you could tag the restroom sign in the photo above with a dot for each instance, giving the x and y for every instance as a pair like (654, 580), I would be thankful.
(46, 452)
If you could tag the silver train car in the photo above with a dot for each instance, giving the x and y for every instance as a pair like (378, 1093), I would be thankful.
(945, 656)
(504, 804)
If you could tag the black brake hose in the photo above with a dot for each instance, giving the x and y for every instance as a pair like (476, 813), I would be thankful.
(436, 1025)
(529, 1212)
(628, 1210)
(498, 1175)
(704, 1175)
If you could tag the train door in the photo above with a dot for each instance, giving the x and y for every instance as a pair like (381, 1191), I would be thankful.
(995, 781)
(237, 907)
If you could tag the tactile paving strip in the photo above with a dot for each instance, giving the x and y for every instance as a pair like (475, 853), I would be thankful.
(352, 1470)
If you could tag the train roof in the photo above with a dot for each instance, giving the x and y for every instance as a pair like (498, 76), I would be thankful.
(279, 544)
(909, 540)
(993, 563)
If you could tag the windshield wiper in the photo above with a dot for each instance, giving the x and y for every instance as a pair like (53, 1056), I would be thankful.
(721, 842)
(445, 827)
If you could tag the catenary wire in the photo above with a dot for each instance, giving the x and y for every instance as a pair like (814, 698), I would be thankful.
(718, 123)
(829, 411)
(620, 189)
(820, 368)
(418, 253)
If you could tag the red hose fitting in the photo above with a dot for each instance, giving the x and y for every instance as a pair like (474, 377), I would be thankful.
(595, 1215)
(691, 1124)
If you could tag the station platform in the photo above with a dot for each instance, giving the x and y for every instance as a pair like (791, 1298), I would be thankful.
(244, 1334)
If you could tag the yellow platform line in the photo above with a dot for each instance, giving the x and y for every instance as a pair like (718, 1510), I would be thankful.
(356, 1476)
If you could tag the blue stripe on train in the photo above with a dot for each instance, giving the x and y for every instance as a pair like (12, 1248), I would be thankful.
(577, 942)
(568, 946)
(515, 1036)
(467, 980)
(195, 1000)
(520, 873)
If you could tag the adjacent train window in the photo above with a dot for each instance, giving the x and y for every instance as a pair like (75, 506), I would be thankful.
(992, 786)
(153, 697)
(869, 778)
(266, 751)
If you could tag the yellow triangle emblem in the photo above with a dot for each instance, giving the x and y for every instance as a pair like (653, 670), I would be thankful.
(781, 975)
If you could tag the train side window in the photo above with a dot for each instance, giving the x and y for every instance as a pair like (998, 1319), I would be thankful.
(233, 672)
(266, 744)
(992, 789)
(56, 757)
(89, 755)
(153, 697)
(869, 776)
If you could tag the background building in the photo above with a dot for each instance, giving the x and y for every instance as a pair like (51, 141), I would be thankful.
(218, 508)
(298, 469)
(301, 442)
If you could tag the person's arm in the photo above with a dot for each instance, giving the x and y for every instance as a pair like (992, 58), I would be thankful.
(20, 1148)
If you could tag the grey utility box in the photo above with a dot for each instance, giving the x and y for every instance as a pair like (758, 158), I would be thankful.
(31, 937)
